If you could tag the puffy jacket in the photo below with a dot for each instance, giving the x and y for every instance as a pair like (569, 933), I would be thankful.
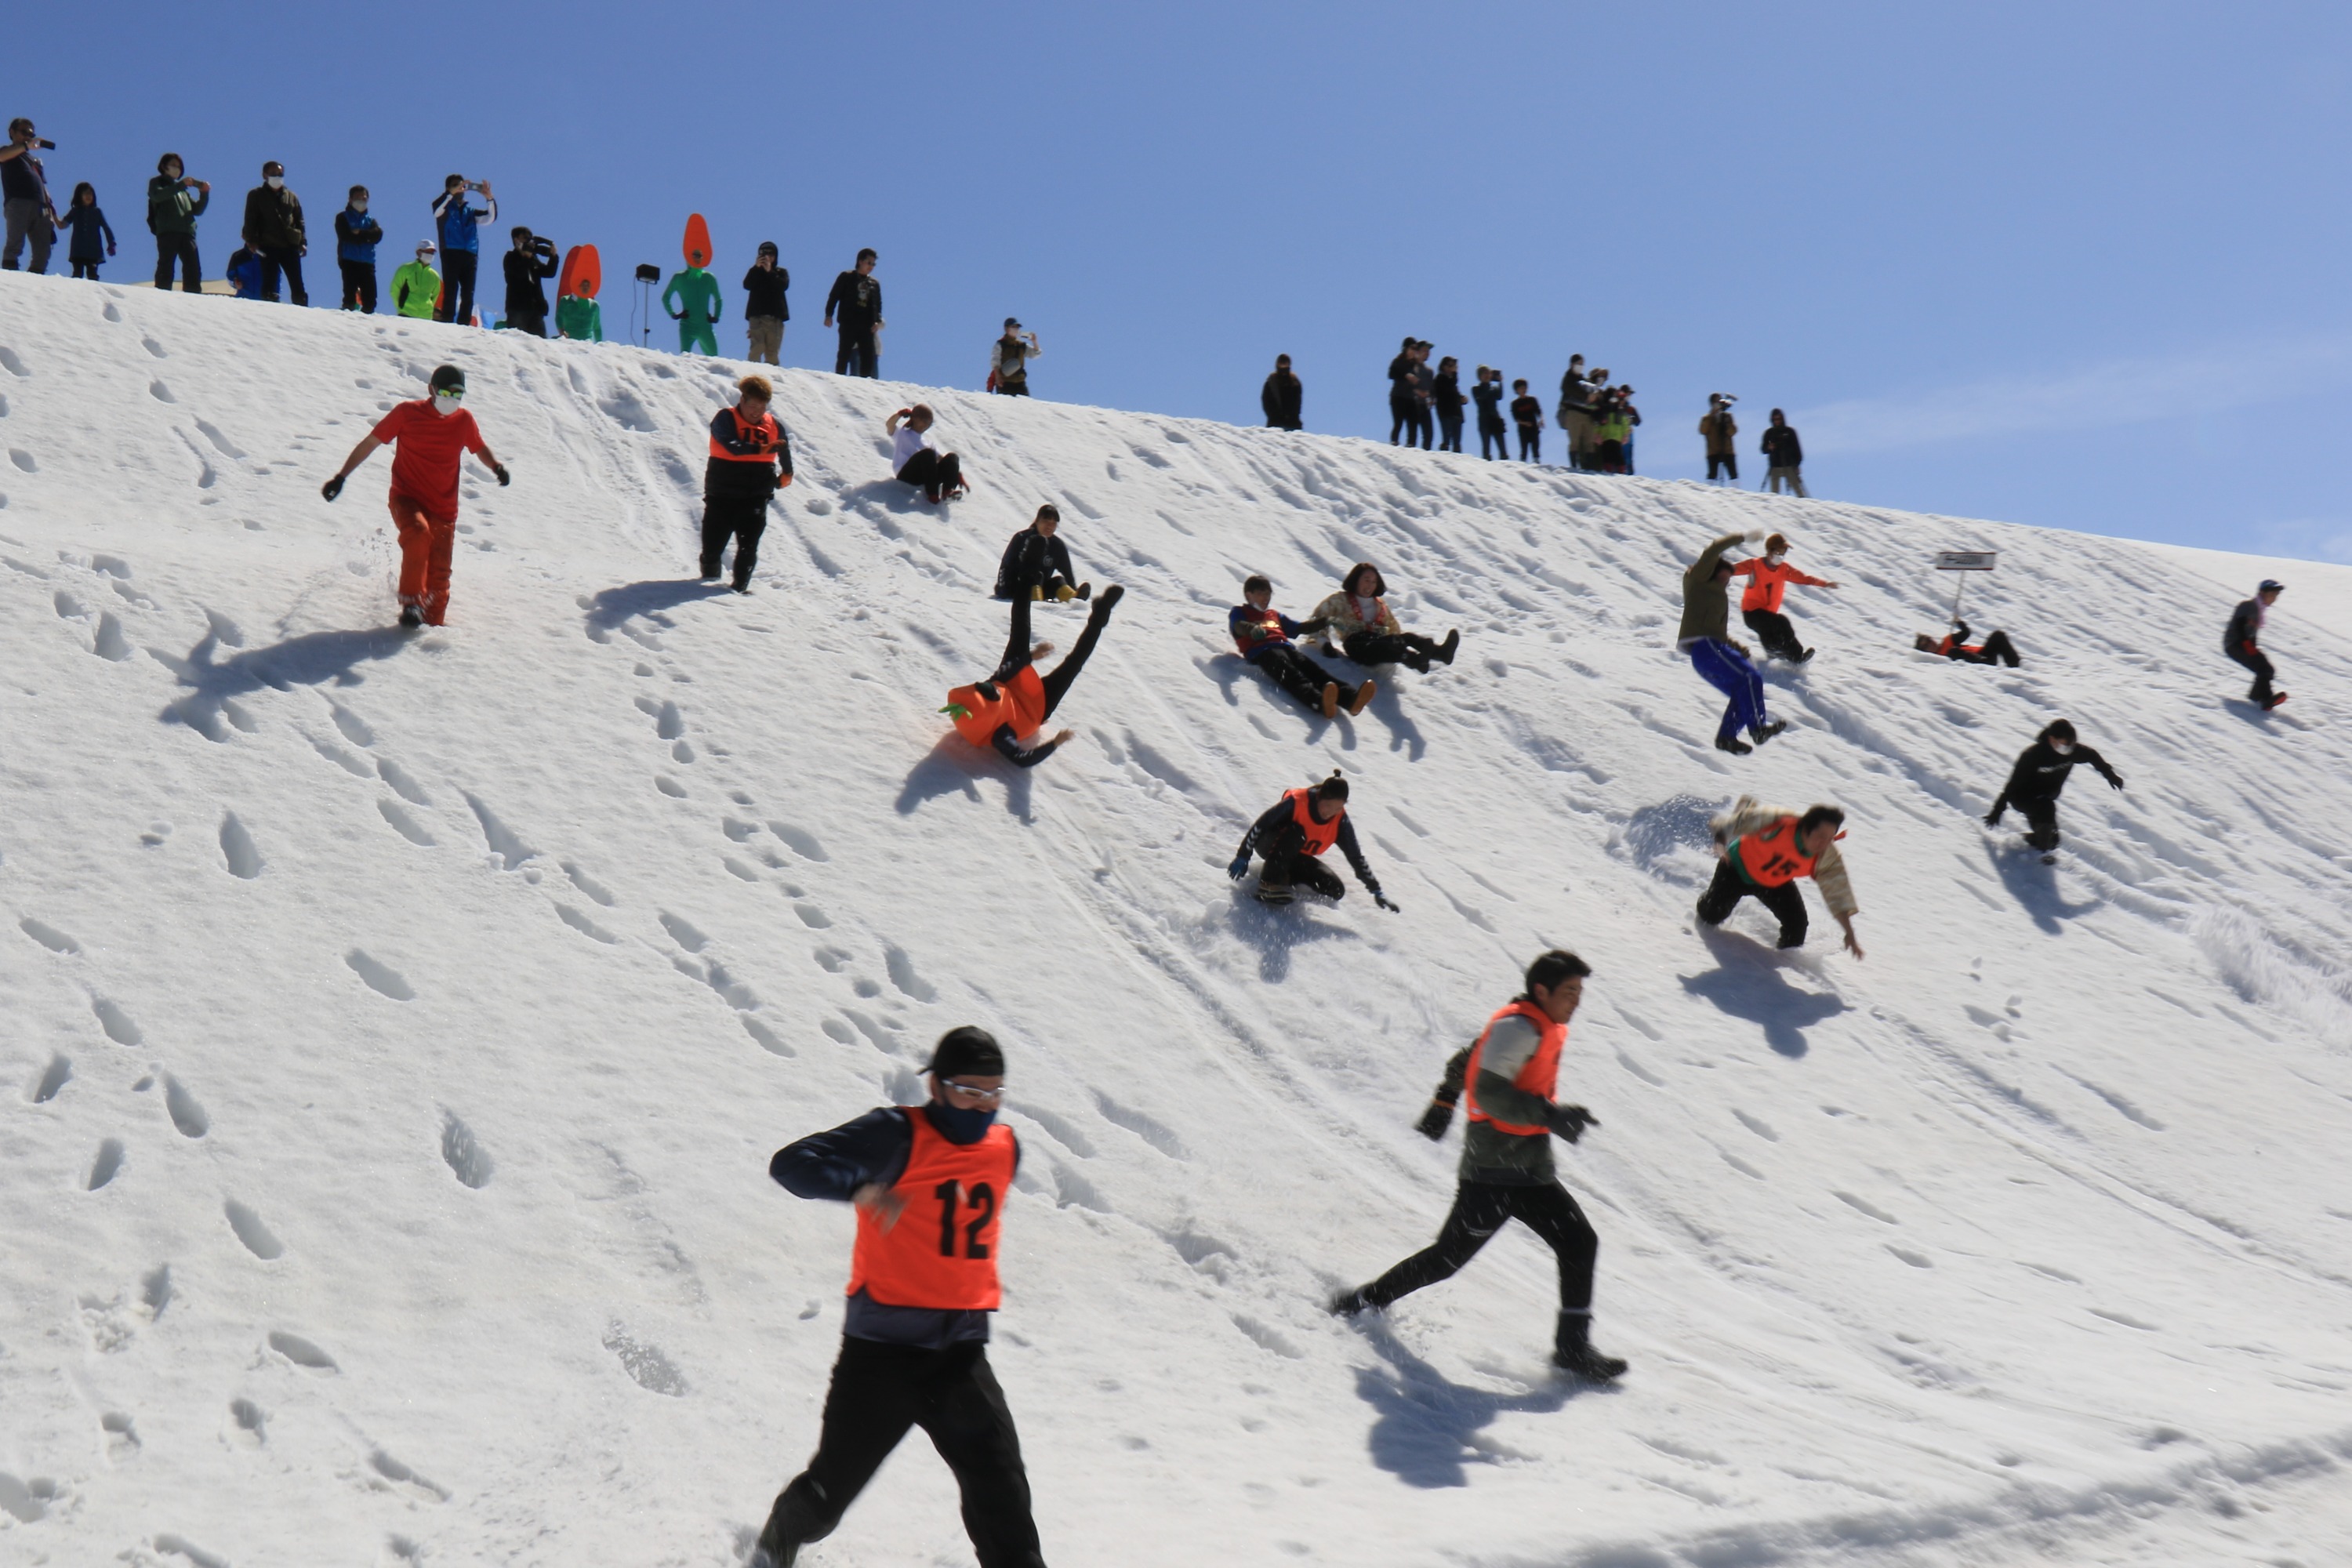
(243, 271)
(1707, 603)
(173, 207)
(273, 218)
(1780, 446)
(356, 237)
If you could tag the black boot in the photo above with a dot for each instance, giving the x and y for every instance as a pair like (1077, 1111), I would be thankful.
(793, 1523)
(1734, 744)
(1348, 1304)
(1446, 650)
(1572, 1350)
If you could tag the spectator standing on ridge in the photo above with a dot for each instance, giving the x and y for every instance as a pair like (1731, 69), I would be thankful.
(2035, 783)
(764, 309)
(428, 437)
(2241, 642)
(356, 237)
(1769, 576)
(273, 230)
(579, 317)
(1719, 428)
(1526, 413)
(528, 266)
(1494, 436)
(24, 198)
(1445, 397)
(1284, 397)
(458, 222)
(1632, 418)
(172, 216)
(93, 236)
(1761, 851)
(746, 442)
(856, 299)
(692, 302)
(1783, 455)
(1035, 556)
(1575, 413)
(1420, 424)
(1613, 432)
(1262, 635)
(1008, 360)
(1705, 638)
(1401, 390)
(415, 286)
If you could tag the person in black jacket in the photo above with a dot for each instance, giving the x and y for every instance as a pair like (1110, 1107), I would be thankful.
(1294, 831)
(531, 261)
(2040, 775)
(856, 298)
(764, 311)
(1445, 398)
(1282, 397)
(273, 230)
(747, 444)
(1036, 558)
(1783, 455)
(1401, 390)
(1494, 436)
(1955, 645)
(2241, 642)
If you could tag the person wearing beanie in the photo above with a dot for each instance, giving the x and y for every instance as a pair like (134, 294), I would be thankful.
(747, 445)
(764, 309)
(1509, 1079)
(2241, 642)
(1769, 576)
(1038, 557)
(1705, 638)
(1760, 851)
(929, 1183)
(2040, 775)
(1008, 360)
(1014, 702)
(527, 266)
(1293, 835)
(429, 437)
(1784, 457)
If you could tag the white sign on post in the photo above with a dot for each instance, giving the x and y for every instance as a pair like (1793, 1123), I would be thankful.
(1964, 560)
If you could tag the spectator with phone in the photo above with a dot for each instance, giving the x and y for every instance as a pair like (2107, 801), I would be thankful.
(31, 215)
(356, 237)
(273, 231)
(458, 220)
(172, 215)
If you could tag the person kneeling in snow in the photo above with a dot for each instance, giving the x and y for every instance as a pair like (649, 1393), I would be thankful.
(1763, 849)
(1262, 633)
(1995, 649)
(1359, 618)
(1035, 557)
(1016, 701)
(1292, 836)
(427, 436)
(2035, 783)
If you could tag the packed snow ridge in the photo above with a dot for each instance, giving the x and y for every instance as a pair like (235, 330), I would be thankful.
(399, 1025)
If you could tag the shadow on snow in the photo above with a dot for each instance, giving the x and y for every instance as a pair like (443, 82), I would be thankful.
(1750, 982)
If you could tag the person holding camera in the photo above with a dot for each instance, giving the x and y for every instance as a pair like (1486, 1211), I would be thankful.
(31, 213)
(1008, 360)
(458, 221)
(356, 237)
(528, 266)
(765, 310)
(273, 232)
(172, 215)
(1719, 428)
(856, 298)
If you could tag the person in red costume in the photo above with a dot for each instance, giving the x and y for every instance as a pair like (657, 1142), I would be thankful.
(427, 436)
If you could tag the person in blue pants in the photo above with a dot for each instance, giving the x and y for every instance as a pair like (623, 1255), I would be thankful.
(1722, 662)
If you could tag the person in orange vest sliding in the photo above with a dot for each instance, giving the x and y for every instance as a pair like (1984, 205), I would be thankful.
(1769, 576)
(1510, 1078)
(1762, 850)
(1292, 836)
(746, 444)
(428, 436)
(929, 1183)
(1014, 703)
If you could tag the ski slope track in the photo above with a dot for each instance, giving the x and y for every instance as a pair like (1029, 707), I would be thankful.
(398, 1027)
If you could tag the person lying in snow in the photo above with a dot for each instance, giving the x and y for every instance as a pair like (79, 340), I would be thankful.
(1995, 649)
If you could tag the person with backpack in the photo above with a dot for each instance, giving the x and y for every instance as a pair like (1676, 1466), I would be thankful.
(428, 436)
(92, 239)
(939, 475)
(172, 215)
(1494, 436)
(2242, 639)
(856, 299)
(457, 222)
(1509, 1081)
(1705, 638)
(2038, 777)
(930, 1185)
(1292, 836)
(1761, 851)
(1784, 456)
(30, 213)
(1719, 428)
(1769, 576)
(1283, 397)
(764, 309)
(747, 445)
(415, 286)
(274, 231)
(1262, 635)
(1008, 360)
(1359, 618)
(1013, 703)
(356, 237)
(1038, 557)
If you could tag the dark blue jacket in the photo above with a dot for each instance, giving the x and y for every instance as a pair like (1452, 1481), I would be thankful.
(87, 223)
(245, 272)
(456, 218)
(356, 235)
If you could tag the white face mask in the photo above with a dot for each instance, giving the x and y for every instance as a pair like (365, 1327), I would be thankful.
(360, 206)
(274, 181)
(2062, 748)
(1776, 557)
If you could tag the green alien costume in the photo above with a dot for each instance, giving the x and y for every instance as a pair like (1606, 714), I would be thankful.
(582, 321)
(692, 297)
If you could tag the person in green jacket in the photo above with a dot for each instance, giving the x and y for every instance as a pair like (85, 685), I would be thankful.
(416, 288)
(692, 301)
(172, 215)
(1704, 636)
(580, 318)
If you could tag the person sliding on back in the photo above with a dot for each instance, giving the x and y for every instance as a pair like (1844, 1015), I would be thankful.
(427, 436)
(1704, 635)
(1292, 836)
(1761, 851)
(929, 1183)
(1014, 702)
(1510, 1080)
(1262, 633)
(747, 442)
(1769, 576)
(1366, 630)
(2035, 783)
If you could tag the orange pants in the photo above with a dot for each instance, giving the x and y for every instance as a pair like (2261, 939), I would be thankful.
(425, 546)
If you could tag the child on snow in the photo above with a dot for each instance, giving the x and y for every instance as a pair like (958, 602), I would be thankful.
(939, 475)
(1262, 635)
(1526, 413)
(86, 222)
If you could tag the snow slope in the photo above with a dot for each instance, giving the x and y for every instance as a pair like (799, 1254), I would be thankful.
(397, 1030)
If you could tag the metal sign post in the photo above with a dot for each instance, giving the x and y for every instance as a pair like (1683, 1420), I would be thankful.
(1964, 560)
(646, 277)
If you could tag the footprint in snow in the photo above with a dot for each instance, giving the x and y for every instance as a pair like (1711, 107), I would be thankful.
(160, 392)
(187, 1114)
(237, 848)
(463, 1153)
(587, 884)
(404, 825)
(259, 1240)
(117, 1022)
(303, 1353)
(51, 1081)
(583, 925)
(381, 977)
(106, 1166)
(250, 1422)
(153, 347)
(15, 366)
(48, 936)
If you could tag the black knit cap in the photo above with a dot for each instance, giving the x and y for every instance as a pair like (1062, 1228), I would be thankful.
(1333, 788)
(448, 378)
(970, 1050)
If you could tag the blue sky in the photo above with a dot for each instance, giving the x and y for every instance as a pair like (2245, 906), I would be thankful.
(2076, 265)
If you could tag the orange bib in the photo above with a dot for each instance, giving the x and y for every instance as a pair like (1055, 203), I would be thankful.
(1773, 858)
(1320, 836)
(1540, 1076)
(941, 1253)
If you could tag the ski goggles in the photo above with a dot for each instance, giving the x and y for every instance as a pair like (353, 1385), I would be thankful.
(450, 396)
(985, 1096)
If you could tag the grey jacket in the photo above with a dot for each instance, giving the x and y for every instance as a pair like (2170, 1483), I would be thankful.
(1488, 1153)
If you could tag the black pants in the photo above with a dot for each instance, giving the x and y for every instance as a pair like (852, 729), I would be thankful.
(1530, 443)
(1449, 434)
(933, 473)
(741, 518)
(285, 258)
(1729, 462)
(86, 270)
(1288, 866)
(1723, 896)
(1995, 649)
(1493, 441)
(857, 354)
(1417, 427)
(879, 1392)
(1016, 387)
(1369, 647)
(1057, 681)
(522, 321)
(1480, 1209)
(2041, 823)
(2257, 661)
(456, 301)
(1300, 676)
(1774, 630)
(180, 249)
(358, 285)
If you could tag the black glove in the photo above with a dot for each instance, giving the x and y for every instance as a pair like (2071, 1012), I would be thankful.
(2116, 780)
(1570, 1121)
(1381, 899)
(1993, 817)
(333, 488)
(1436, 1120)
(505, 479)
(1240, 868)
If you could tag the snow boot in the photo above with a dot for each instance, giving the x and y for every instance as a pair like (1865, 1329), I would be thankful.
(2275, 698)
(1806, 657)
(1348, 1303)
(1330, 700)
(1086, 590)
(1734, 744)
(1763, 732)
(1363, 695)
(791, 1524)
(1445, 654)
(1416, 661)
(1572, 1350)
(1273, 892)
(411, 616)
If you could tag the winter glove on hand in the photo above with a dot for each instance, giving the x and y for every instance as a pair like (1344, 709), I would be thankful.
(333, 488)
(1993, 817)
(1239, 868)
(1436, 1120)
(505, 479)
(2116, 780)
(1381, 899)
(1570, 1121)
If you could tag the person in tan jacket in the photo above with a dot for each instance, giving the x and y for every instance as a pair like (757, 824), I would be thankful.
(1359, 619)
(1720, 430)
(1761, 851)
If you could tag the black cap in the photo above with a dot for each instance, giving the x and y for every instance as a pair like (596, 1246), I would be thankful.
(767, 248)
(448, 378)
(967, 1049)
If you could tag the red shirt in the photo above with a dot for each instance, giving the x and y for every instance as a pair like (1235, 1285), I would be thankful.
(424, 460)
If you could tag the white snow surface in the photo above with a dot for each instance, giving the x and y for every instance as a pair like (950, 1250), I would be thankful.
(398, 1028)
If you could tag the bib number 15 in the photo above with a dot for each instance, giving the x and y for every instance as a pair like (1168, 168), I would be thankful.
(979, 1200)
